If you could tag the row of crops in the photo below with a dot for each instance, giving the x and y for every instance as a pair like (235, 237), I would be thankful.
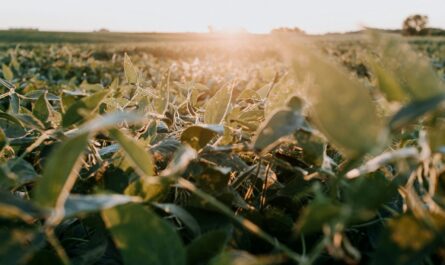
(281, 151)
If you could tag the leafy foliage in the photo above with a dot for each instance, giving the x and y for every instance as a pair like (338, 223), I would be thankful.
(326, 151)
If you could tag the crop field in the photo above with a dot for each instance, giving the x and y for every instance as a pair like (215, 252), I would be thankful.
(191, 149)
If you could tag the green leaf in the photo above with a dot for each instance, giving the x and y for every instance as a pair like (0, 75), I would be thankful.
(149, 188)
(131, 72)
(312, 145)
(18, 245)
(204, 248)
(108, 121)
(35, 94)
(341, 107)
(281, 123)
(7, 72)
(181, 159)
(12, 127)
(362, 192)
(142, 237)
(406, 240)
(13, 207)
(146, 186)
(79, 109)
(236, 257)
(140, 158)
(3, 140)
(317, 214)
(278, 96)
(14, 103)
(42, 108)
(79, 204)
(161, 102)
(387, 82)
(413, 71)
(29, 120)
(198, 136)
(414, 110)
(90, 87)
(21, 171)
(10, 118)
(218, 106)
(180, 213)
(60, 171)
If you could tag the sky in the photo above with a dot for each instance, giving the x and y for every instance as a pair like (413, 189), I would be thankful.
(257, 16)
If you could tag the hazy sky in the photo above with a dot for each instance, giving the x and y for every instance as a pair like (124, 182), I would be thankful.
(314, 16)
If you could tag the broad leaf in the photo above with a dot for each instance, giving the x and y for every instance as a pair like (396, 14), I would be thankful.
(414, 110)
(187, 219)
(341, 107)
(146, 186)
(181, 159)
(3, 140)
(161, 102)
(139, 157)
(14, 103)
(78, 204)
(282, 123)
(317, 214)
(142, 237)
(42, 108)
(218, 106)
(207, 246)
(7, 72)
(60, 171)
(131, 72)
(198, 136)
(13, 207)
(78, 110)
(21, 171)
(413, 71)
(108, 121)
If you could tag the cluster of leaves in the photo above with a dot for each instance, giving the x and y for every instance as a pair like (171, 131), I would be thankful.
(213, 161)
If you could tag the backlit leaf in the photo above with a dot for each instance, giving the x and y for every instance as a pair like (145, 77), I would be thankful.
(341, 107)
(218, 106)
(140, 158)
(198, 136)
(131, 72)
(77, 111)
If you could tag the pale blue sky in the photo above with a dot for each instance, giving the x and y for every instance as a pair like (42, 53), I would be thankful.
(314, 16)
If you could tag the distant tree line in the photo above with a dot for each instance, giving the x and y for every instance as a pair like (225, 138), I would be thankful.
(288, 30)
(417, 25)
(23, 29)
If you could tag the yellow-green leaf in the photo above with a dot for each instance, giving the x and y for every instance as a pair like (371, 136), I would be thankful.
(218, 106)
(7, 72)
(341, 106)
(79, 109)
(140, 158)
(198, 136)
(131, 72)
